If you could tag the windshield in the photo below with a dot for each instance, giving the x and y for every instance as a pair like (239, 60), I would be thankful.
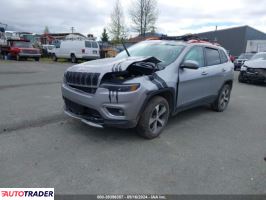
(22, 44)
(259, 56)
(245, 56)
(167, 53)
(50, 47)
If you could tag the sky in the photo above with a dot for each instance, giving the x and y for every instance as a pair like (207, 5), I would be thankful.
(176, 17)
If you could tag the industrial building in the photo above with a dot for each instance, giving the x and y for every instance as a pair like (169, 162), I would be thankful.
(236, 39)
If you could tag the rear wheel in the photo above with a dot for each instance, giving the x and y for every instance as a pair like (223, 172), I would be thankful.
(223, 99)
(54, 58)
(73, 58)
(154, 118)
(37, 59)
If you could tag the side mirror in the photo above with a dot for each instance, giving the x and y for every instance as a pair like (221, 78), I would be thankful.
(190, 64)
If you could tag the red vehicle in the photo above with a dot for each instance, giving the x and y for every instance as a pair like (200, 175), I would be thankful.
(20, 49)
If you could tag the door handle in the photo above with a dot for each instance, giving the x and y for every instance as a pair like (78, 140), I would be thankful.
(223, 70)
(204, 73)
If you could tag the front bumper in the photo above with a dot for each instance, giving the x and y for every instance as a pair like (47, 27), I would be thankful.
(254, 77)
(129, 102)
(27, 55)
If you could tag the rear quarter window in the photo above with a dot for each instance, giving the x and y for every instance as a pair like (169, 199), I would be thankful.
(212, 57)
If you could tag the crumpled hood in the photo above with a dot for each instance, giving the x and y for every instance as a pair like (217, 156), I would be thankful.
(256, 63)
(110, 64)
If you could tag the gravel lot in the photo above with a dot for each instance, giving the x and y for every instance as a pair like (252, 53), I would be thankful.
(200, 151)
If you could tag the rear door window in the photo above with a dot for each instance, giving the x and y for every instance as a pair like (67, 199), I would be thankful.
(88, 44)
(212, 56)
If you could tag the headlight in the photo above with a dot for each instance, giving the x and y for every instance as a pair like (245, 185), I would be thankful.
(244, 68)
(121, 87)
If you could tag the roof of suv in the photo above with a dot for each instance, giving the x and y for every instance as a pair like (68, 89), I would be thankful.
(187, 43)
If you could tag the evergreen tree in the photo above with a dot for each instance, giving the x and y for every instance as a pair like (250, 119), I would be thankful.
(46, 30)
(105, 37)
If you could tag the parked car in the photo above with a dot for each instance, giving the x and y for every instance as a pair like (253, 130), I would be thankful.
(48, 49)
(254, 70)
(155, 80)
(20, 49)
(76, 49)
(242, 59)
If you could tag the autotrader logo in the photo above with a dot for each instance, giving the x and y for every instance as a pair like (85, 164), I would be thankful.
(27, 193)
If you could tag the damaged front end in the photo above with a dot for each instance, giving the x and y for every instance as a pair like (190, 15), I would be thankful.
(135, 69)
(115, 81)
(88, 77)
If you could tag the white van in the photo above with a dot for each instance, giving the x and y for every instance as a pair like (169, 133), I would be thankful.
(76, 49)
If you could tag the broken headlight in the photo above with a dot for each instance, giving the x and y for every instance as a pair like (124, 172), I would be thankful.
(121, 87)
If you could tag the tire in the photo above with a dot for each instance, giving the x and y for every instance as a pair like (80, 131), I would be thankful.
(18, 58)
(37, 59)
(223, 99)
(54, 58)
(73, 58)
(240, 78)
(151, 122)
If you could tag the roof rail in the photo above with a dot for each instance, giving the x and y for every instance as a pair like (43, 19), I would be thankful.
(182, 38)
(190, 38)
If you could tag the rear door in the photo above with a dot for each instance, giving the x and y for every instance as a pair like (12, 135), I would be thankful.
(88, 48)
(213, 71)
(95, 49)
(192, 83)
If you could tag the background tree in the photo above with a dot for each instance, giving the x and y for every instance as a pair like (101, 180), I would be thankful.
(105, 37)
(144, 14)
(117, 26)
(46, 30)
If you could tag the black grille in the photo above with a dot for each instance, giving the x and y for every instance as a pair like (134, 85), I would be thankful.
(261, 71)
(257, 71)
(85, 112)
(85, 89)
(251, 70)
(29, 51)
(86, 82)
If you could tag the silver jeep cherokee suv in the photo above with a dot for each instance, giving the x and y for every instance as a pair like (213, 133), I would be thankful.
(144, 85)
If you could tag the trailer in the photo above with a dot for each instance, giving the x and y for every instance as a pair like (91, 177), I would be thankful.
(256, 46)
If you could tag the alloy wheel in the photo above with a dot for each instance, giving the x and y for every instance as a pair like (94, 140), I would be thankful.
(224, 98)
(158, 118)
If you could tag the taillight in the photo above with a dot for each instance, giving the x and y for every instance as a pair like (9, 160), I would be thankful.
(83, 50)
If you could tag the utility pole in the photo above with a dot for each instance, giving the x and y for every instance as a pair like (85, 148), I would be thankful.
(72, 29)
(215, 35)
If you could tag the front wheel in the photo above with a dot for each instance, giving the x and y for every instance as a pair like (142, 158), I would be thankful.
(154, 118)
(223, 98)
(240, 78)
(73, 58)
